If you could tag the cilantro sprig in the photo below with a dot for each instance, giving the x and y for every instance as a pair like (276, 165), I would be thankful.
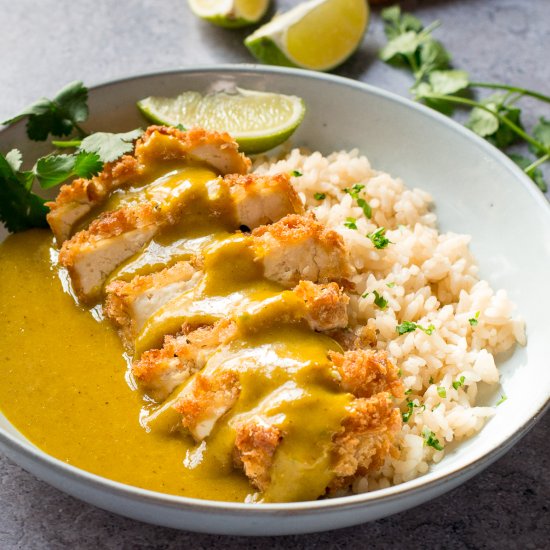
(20, 207)
(59, 116)
(496, 117)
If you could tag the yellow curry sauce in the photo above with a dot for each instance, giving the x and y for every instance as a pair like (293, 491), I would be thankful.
(66, 387)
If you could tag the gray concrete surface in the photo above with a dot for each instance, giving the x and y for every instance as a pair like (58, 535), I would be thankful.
(46, 43)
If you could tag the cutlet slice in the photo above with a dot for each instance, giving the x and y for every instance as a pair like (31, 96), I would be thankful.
(130, 304)
(367, 431)
(93, 254)
(160, 371)
(158, 144)
(300, 248)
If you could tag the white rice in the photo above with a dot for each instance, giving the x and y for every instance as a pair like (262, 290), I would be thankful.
(433, 281)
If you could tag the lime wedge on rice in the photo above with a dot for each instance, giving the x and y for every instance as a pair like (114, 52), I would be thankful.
(258, 121)
(319, 34)
(230, 13)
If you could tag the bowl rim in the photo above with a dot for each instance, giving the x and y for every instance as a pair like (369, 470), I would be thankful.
(415, 486)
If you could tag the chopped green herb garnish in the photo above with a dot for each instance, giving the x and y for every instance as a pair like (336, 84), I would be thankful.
(350, 223)
(390, 285)
(502, 399)
(474, 320)
(407, 414)
(431, 440)
(408, 392)
(409, 326)
(436, 406)
(380, 301)
(441, 391)
(367, 210)
(458, 383)
(354, 193)
(296, 173)
(379, 239)
(399, 373)
(319, 196)
(431, 380)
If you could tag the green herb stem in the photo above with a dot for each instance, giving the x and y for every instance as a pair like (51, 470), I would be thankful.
(66, 144)
(533, 166)
(464, 101)
(522, 91)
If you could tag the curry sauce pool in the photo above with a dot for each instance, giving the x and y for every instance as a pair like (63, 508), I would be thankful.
(64, 387)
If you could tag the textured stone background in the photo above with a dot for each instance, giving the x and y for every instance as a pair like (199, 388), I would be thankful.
(46, 43)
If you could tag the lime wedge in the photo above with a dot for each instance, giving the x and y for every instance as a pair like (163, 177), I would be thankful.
(258, 121)
(319, 34)
(230, 13)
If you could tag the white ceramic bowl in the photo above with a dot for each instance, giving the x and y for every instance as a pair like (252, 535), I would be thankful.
(477, 190)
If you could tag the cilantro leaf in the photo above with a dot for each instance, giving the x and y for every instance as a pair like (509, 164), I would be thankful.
(430, 440)
(399, 48)
(474, 320)
(379, 239)
(459, 382)
(319, 196)
(433, 56)
(409, 326)
(441, 391)
(350, 223)
(502, 399)
(536, 175)
(541, 132)
(53, 170)
(295, 173)
(448, 82)
(57, 116)
(20, 208)
(379, 300)
(396, 24)
(14, 159)
(109, 146)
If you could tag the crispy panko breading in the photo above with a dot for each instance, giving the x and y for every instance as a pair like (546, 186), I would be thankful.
(130, 304)
(255, 444)
(263, 199)
(158, 143)
(367, 372)
(326, 305)
(159, 371)
(366, 440)
(206, 399)
(92, 254)
(367, 433)
(300, 248)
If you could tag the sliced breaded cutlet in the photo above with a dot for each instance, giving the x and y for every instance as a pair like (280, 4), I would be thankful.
(160, 371)
(300, 248)
(361, 446)
(157, 144)
(93, 254)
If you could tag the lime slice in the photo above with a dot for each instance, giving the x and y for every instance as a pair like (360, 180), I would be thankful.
(230, 13)
(318, 35)
(258, 121)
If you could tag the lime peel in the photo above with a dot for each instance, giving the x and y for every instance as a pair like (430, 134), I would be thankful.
(230, 13)
(258, 121)
(319, 34)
